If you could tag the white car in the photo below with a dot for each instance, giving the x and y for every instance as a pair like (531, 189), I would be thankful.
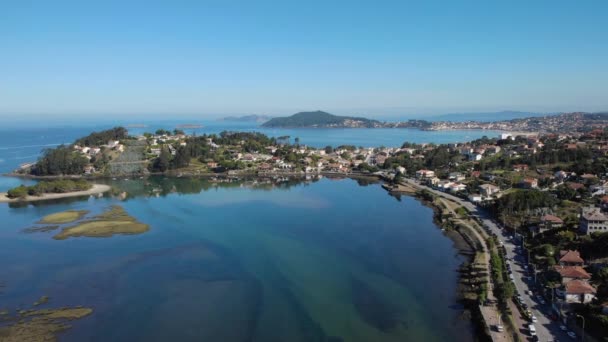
(563, 328)
(534, 319)
(572, 335)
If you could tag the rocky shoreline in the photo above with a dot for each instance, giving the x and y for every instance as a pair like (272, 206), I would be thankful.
(465, 247)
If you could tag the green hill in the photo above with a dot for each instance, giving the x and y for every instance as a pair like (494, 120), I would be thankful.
(320, 119)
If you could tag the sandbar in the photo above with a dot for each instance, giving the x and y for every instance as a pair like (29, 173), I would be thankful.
(95, 189)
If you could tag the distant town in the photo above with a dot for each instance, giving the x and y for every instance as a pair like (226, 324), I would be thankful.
(558, 123)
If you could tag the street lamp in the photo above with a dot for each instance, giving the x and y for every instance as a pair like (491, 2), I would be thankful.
(583, 318)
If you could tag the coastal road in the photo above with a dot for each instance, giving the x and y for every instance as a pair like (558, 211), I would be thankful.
(546, 329)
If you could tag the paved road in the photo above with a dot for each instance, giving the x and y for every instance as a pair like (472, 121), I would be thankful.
(546, 329)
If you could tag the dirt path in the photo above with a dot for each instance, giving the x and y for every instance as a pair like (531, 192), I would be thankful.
(474, 229)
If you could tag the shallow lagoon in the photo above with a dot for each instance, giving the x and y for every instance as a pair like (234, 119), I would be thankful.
(326, 260)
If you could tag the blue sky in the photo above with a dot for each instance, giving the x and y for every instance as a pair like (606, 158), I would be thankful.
(376, 58)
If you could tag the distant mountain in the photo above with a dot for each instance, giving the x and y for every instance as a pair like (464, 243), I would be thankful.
(247, 118)
(320, 119)
(484, 117)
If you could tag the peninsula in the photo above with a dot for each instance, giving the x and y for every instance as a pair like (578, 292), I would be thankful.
(559, 123)
(320, 119)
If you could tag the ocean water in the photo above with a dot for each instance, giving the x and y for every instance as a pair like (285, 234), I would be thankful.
(23, 144)
(316, 260)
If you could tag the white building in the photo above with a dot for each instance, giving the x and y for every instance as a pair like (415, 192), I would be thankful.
(593, 220)
(425, 173)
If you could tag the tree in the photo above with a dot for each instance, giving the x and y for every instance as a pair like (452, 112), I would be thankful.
(18, 192)
(103, 137)
(328, 149)
(163, 162)
(182, 158)
(61, 160)
(398, 178)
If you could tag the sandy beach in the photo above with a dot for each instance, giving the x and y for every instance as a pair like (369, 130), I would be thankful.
(96, 189)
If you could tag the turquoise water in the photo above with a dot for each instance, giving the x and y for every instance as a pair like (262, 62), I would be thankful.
(326, 260)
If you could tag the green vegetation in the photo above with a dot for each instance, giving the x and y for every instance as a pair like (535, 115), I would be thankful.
(103, 137)
(62, 160)
(315, 119)
(462, 212)
(45, 187)
(504, 289)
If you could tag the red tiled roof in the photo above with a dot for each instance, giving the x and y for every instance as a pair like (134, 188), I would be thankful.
(575, 186)
(572, 272)
(579, 287)
(551, 218)
(570, 256)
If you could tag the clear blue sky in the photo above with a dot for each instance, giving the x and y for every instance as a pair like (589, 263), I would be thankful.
(279, 57)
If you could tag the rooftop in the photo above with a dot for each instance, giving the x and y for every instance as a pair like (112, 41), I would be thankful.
(593, 214)
(551, 218)
(572, 272)
(570, 256)
(579, 287)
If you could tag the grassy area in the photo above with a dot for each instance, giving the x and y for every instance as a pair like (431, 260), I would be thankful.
(63, 217)
(102, 229)
(111, 222)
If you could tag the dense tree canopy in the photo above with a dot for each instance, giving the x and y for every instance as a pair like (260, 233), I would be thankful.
(103, 137)
(62, 160)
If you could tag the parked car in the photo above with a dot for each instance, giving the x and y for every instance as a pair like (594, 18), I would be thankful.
(563, 328)
(571, 334)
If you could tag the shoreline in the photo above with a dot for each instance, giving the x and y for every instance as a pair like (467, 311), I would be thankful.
(177, 174)
(463, 246)
(95, 189)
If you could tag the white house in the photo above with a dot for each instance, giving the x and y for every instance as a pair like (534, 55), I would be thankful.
(425, 173)
(456, 176)
(487, 190)
(475, 198)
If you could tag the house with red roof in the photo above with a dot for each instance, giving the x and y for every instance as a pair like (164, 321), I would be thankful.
(578, 291)
(548, 222)
(570, 258)
(570, 273)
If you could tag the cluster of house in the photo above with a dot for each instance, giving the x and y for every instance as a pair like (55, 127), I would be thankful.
(575, 286)
(452, 184)
(157, 140)
(91, 152)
